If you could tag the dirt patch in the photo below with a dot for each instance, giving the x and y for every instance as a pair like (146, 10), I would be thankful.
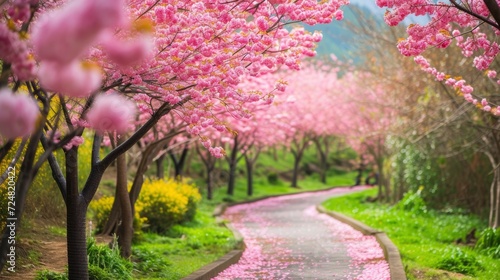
(39, 255)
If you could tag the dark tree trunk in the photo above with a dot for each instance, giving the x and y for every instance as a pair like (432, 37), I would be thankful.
(160, 170)
(210, 175)
(295, 174)
(249, 165)
(232, 160)
(209, 163)
(231, 179)
(75, 220)
(126, 229)
(323, 152)
(179, 162)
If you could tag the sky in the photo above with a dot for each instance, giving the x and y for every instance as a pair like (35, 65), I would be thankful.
(379, 11)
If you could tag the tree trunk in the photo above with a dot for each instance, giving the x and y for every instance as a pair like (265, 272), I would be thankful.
(323, 157)
(494, 192)
(232, 160)
(126, 229)
(75, 220)
(496, 202)
(249, 165)
(209, 183)
(179, 162)
(231, 179)
(160, 170)
(296, 165)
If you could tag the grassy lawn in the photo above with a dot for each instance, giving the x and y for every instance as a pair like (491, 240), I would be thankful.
(184, 249)
(426, 239)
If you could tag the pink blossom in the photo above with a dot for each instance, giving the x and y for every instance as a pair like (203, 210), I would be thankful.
(74, 79)
(74, 142)
(18, 114)
(65, 34)
(111, 112)
(129, 53)
(217, 152)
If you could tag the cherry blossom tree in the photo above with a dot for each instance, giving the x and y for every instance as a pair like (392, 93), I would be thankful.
(177, 56)
(473, 26)
(310, 108)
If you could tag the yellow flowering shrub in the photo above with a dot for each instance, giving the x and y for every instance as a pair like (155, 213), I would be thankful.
(101, 208)
(186, 187)
(167, 202)
(161, 204)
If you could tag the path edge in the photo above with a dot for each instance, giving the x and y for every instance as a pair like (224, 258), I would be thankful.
(212, 269)
(391, 252)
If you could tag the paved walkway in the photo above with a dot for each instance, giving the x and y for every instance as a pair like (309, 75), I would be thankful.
(287, 238)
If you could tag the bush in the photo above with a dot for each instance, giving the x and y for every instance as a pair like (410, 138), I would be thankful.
(489, 242)
(413, 202)
(101, 209)
(272, 178)
(50, 275)
(149, 262)
(191, 192)
(165, 203)
(106, 263)
(456, 260)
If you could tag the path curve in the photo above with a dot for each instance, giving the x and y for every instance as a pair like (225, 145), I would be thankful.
(286, 238)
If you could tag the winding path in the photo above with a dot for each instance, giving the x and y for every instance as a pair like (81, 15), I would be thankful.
(286, 238)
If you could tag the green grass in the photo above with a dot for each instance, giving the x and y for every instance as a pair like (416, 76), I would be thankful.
(426, 240)
(183, 250)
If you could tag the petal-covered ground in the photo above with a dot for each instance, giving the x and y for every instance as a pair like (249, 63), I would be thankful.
(286, 238)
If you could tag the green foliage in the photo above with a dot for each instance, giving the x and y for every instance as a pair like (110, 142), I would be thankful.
(107, 263)
(413, 168)
(50, 275)
(149, 263)
(489, 242)
(413, 202)
(272, 178)
(104, 264)
(457, 260)
(182, 249)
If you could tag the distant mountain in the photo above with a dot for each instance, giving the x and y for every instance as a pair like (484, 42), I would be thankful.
(338, 36)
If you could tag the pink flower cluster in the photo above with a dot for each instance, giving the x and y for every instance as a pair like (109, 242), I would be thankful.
(18, 114)
(61, 38)
(448, 22)
(460, 86)
(111, 112)
(14, 50)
